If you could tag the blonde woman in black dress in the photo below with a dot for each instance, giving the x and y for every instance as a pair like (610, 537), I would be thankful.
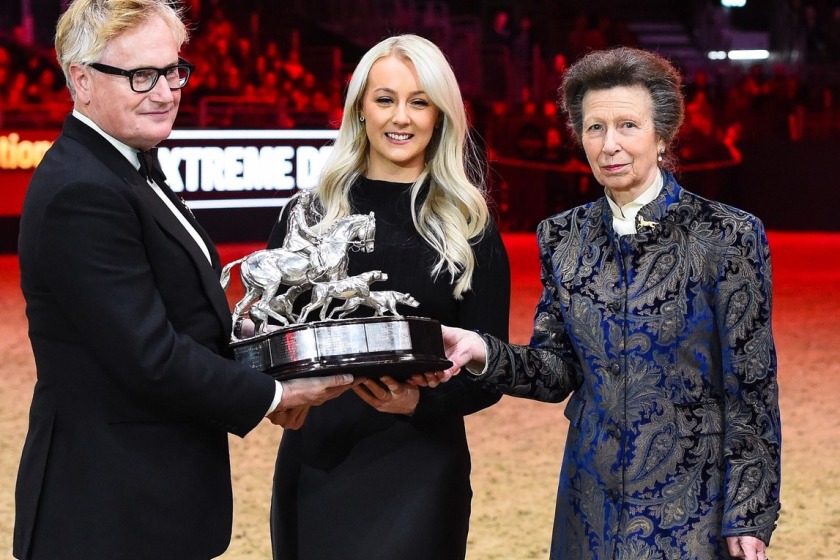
(383, 472)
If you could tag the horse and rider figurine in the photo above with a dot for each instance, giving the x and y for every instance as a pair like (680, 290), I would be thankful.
(311, 261)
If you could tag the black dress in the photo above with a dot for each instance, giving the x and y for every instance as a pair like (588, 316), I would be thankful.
(357, 484)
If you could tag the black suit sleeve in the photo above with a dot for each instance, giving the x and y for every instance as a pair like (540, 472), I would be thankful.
(97, 253)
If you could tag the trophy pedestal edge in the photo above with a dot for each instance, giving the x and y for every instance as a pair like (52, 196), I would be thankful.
(366, 347)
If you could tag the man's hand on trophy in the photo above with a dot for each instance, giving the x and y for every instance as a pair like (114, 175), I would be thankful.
(243, 328)
(289, 418)
(386, 394)
(246, 328)
(307, 391)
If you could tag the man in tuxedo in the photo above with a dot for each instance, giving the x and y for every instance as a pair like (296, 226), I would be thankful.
(127, 450)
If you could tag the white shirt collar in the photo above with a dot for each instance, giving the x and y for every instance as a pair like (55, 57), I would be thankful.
(126, 150)
(624, 217)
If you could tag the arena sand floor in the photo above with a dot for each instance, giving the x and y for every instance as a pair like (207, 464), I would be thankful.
(517, 444)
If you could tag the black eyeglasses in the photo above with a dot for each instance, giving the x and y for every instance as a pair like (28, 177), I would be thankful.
(143, 80)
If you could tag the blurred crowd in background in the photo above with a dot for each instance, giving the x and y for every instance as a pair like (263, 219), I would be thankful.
(266, 64)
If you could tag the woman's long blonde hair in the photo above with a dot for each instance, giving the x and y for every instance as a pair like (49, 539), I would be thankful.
(455, 211)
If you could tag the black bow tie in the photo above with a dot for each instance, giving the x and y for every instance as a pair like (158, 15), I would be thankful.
(150, 169)
(150, 166)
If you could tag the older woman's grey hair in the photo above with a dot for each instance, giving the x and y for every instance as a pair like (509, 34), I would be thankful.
(625, 66)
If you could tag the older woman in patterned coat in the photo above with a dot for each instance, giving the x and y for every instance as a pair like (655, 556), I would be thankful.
(655, 317)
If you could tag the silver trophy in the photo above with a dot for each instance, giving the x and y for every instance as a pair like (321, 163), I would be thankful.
(386, 344)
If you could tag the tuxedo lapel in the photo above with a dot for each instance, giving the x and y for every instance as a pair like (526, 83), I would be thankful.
(168, 221)
(150, 167)
(182, 207)
(111, 157)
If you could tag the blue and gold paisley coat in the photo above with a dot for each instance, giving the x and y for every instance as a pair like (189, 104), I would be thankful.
(663, 340)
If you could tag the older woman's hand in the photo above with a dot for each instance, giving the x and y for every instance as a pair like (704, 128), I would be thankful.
(463, 348)
(748, 548)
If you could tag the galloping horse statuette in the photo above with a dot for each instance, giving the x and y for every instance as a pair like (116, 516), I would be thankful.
(263, 272)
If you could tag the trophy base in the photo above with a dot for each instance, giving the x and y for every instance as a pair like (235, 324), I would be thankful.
(366, 347)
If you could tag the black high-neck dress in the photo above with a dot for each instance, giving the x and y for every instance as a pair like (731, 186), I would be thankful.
(357, 484)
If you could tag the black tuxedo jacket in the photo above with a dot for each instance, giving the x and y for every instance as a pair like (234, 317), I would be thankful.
(127, 451)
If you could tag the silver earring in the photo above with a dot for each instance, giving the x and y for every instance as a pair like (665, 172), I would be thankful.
(361, 118)
(662, 153)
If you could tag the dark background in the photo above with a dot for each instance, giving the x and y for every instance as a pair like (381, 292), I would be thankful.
(782, 111)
